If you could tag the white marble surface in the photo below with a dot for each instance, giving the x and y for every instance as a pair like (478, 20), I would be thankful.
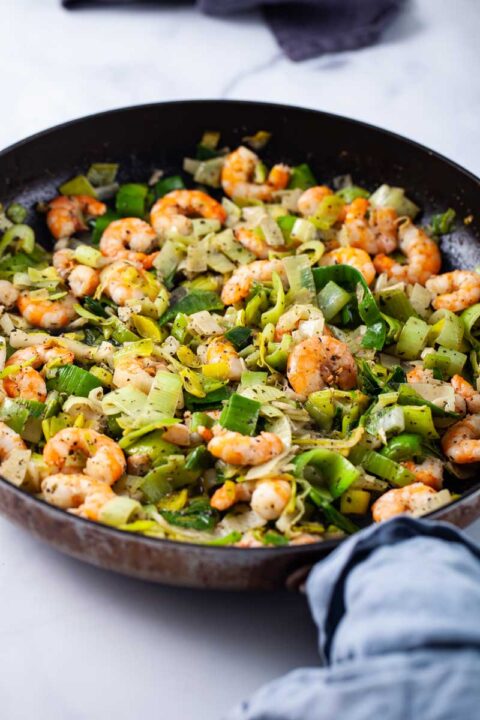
(80, 644)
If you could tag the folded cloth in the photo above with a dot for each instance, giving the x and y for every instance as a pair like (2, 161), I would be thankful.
(398, 612)
(305, 28)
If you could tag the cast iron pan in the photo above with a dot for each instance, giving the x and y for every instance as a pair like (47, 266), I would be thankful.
(159, 136)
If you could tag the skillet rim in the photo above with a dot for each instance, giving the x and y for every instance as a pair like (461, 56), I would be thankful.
(310, 549)
(252, 103)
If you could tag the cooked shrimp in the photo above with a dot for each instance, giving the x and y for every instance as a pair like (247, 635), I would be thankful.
(137, 372)
(172, 212)
(123, 281)
(8, 294)
(467, 392)
(429, 472)
(66, 215)
(270, 497)
(64, 261)
(355, 257)
(221, 350)
(401, 500)
(83, 495)
(319, 362)
(377, 234)
(78, 449)
(9, 442)
(178, 435)
(419, 374)
(231, 493)
(82, 279)
(461, 442)
(238, 172)
(129, 239)
(455, 290)
(27, 382)
(257, 245)
(44, 313)
(422, 253)
(357, 209)
(240, 283)
(237, 449)
(309, 200)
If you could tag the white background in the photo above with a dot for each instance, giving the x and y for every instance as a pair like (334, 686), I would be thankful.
(77, 643)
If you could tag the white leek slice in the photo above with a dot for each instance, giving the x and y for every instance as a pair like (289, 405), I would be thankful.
(204, 324)
(14, 468)
(394, 197)
(273, 234)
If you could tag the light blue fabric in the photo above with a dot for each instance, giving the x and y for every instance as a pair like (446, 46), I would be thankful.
(398, 612)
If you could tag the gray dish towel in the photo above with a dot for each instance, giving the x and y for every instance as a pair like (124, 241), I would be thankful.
(397, 608)
(303, 28)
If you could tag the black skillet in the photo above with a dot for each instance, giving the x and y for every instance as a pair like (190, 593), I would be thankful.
(159, 136)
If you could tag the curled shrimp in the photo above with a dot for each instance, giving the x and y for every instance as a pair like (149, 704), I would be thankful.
(319, 362)
(419, 374)
(78, 449)
(45, 313)
(429, 472)
(377, 234)
(238, 173)
(461, 442)
(271, 497)
(231, 493)
(268, 497)
(130, 239)
(471, 396)
(27, 382)
(401, 500)
(455, 290)
(422, 253)
(8, 294)
(309, 200)
(240, 283)
(67, 215)
(82, 279)
(137, 372)
(177, 434)
(172, 212)
(64, 261)
(251, 241)
(123, 281)
(82, 495)
(355, 257)
(237, 449)
(221, 350)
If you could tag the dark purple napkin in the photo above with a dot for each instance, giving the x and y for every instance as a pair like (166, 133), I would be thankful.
(303, 28)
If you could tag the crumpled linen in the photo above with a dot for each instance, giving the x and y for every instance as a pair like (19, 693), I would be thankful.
(398, 613)
(304, 28)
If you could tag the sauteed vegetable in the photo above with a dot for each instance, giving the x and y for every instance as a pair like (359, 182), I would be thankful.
(237, 354)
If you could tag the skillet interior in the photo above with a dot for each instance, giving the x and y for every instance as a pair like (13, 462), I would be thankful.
(159, 136)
